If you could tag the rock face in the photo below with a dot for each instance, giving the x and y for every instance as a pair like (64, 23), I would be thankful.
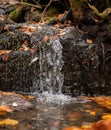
(84, 69)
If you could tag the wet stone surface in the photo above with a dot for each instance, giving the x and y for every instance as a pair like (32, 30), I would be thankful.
(81, 67)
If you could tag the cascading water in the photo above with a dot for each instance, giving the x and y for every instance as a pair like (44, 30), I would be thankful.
(50, 61)
(49, 79)
(49, 50)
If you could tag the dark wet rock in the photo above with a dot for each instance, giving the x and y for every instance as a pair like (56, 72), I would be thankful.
(13, 40)
(84, 68)
(15, 72)
(14, 101)
(2, 11)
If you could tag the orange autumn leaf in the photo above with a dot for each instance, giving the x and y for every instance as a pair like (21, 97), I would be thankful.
(103, 101)
(71, 128)
(107, 116)
(5, 109)
(25, 43)
(102, 125)
(89, 41)
(21, 49)
(30, 97)
(91, 112)
(2, 52)
(28, 29)
(9, 122)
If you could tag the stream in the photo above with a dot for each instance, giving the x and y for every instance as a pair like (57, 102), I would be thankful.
(56, 113)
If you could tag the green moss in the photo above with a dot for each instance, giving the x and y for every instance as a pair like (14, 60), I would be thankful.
(16, 14)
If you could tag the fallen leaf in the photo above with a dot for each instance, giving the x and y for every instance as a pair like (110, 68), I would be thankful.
(89, 41)
(46, 39)
(30, 97)
(2, 52)
(91, 112)
(71, 128)
(103, 101)
(8, 122)
(28, 29)
(107, 116)
(86, 127)
(102, 125)
(5, 57)
(5, 108)
(25, 43)
(32, 50)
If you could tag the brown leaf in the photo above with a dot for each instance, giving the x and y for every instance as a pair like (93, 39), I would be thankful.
(32, 50)
(2, 52)
(102, 125)
(71, 128)
(5, 57)
(89, 41)
(46, 39)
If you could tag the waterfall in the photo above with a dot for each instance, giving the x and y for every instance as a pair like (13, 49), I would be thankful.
(49, 59)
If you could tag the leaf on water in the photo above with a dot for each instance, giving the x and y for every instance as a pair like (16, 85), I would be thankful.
(71, 128)
(86, 126)
(9, 122)
(102, 125)
(107, 116)
(5, 108)
(91, 112)
(103, 101)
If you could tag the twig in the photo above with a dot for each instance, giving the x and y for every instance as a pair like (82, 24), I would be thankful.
(37, 2)
(29, 4)
(45, 10)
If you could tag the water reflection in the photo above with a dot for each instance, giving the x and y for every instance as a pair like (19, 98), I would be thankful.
(55, 116)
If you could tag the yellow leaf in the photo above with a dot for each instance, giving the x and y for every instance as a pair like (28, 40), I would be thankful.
(91, 112)
(108, 116)
(86, 126)
(30, 97)
(8, 122)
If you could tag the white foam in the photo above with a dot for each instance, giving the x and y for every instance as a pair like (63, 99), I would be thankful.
(59, 99)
